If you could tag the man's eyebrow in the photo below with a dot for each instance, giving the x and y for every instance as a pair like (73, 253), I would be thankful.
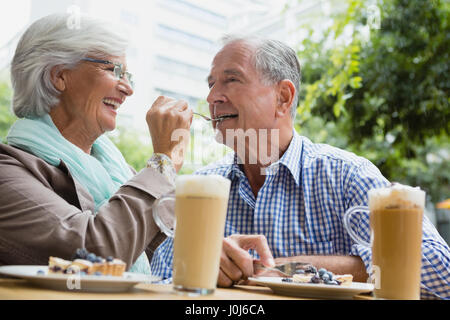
(232, 72)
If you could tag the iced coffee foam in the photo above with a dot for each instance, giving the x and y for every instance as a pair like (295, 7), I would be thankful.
(203, 186)
(396, 196)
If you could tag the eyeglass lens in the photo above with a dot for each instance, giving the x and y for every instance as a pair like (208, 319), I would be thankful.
(119, 74)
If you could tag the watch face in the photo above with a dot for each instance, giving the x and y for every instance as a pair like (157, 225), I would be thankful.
(163, 164)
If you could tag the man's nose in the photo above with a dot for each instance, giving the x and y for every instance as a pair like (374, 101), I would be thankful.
(215, 95)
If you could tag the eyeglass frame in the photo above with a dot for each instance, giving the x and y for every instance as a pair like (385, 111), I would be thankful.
(118, 69)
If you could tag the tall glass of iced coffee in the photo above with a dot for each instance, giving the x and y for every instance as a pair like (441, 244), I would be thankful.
(200, 211)
(396, 214)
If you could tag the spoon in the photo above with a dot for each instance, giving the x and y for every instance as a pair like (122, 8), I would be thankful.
(221, 118)
(204, 117)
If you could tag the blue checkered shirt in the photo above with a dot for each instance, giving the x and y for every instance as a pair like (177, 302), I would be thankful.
(300, 209)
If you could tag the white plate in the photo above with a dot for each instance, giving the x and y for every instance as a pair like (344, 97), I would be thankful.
(311, 290)
(76, 283)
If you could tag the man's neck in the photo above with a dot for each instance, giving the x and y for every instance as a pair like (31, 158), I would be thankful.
(255, 173)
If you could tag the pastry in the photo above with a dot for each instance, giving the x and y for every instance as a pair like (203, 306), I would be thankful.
(58, 265)
(85, 262)
(322, 276)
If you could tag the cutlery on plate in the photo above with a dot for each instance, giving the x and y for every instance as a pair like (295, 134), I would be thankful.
(284, 269)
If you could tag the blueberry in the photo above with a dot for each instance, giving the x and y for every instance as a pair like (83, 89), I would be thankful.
(109, 258)
(98, 273)
(81, 254)
(322, 271)
(98, 259)
(300, 271)
(326, 277)
(330, 274)
(40, 272)
(286, 280)
(315, 279)
(91, 257)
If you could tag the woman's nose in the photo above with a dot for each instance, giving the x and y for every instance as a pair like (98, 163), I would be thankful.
(125, 87)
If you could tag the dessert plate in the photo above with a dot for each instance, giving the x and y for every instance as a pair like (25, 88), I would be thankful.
(39, 276)
(312, 290)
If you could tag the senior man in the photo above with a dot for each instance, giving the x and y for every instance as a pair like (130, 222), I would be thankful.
(288, 195)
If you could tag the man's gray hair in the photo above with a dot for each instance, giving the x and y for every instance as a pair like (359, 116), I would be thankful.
(52, 41)
(274, 60)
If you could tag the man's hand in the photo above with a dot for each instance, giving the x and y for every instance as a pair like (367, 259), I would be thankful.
(236, 263)
(169, 121)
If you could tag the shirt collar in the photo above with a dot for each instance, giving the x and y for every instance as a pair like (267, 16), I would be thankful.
(235, 169)
(291, 159)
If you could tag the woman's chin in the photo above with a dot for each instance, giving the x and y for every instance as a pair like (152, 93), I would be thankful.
(108, 125)
(108, 121)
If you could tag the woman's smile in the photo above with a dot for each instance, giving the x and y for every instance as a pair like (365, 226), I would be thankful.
(113, 104)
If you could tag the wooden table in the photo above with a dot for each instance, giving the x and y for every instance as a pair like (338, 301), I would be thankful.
(17, 289)
(239, 302)
(13, 289)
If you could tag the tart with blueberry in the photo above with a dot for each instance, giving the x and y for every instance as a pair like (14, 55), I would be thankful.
(58, 265)
(322, 276)
(84, 262)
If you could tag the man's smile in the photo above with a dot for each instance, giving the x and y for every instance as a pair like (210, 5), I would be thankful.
(225, 117)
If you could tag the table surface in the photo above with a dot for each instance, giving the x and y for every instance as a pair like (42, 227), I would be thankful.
(17, 289)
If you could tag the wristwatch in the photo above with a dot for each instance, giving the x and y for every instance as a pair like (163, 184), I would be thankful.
(163, 164)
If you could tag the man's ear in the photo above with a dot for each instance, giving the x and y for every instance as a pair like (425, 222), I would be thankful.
(286, 96)
(57, 77)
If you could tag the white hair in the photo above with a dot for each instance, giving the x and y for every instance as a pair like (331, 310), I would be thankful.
(52, 41)
(274, 61)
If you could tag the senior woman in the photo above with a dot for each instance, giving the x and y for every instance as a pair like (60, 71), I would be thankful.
(63, 184)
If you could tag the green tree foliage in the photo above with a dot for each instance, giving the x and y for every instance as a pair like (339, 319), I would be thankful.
(7, 118)
(133, 146)
(382, 91)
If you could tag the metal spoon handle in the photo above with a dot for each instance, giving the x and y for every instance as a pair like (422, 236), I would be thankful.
(204, 117)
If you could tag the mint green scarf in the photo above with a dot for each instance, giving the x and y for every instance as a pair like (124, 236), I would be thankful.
(101, 173)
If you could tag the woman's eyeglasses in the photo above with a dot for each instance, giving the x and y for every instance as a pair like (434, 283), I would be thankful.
(118, 70)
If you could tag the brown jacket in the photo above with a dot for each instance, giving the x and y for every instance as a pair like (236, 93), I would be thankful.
(45, 212)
